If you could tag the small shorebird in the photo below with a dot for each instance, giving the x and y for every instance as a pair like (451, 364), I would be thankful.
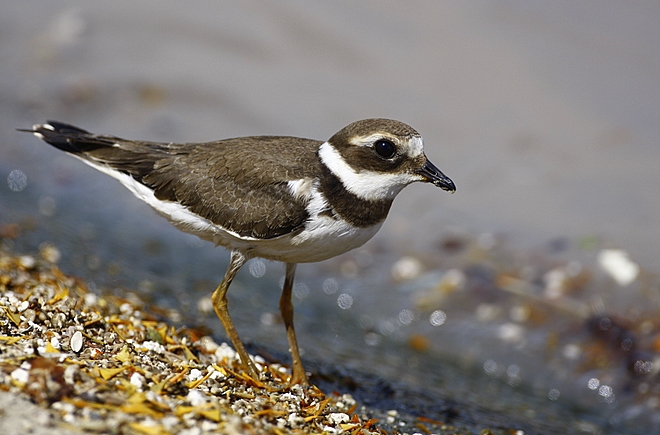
(277, 197)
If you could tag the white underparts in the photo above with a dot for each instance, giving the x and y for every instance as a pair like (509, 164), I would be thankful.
(370, 185)
(323, 236)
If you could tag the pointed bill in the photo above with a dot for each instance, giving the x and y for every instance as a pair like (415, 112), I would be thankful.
(434, 175)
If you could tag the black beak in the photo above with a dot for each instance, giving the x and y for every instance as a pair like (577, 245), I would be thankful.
(434, 175)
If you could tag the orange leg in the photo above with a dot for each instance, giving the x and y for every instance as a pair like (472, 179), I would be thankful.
(219, 299)
(286, 308)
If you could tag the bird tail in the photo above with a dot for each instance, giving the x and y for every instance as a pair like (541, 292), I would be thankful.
(67, 137)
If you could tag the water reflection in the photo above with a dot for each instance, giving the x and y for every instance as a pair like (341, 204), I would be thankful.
(257, 267)
(16, 180)
(437, 318)
(345, 301)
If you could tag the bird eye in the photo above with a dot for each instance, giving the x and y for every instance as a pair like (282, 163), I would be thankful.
(385, 148)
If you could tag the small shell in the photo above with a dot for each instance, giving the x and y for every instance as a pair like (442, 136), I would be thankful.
(76, 341)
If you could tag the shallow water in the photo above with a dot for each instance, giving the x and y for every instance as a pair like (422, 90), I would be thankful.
(545, 116)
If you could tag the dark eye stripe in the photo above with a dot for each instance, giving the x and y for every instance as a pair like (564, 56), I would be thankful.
(385, 148)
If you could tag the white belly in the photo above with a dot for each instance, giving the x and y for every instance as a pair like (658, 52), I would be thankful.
(323, 238)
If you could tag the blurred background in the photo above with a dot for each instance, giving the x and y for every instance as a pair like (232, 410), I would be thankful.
(534, 287)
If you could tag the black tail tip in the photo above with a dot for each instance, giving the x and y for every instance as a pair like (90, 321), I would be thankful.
(54, 127)
(60, 128)
(57, 134)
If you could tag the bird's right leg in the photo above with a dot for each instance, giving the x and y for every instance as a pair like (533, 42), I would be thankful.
(219, 299)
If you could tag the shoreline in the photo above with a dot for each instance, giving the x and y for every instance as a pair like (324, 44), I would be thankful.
(104, 364)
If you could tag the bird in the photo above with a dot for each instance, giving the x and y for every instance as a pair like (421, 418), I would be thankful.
(280, 198)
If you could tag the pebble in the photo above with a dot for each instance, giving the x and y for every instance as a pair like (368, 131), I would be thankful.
(137, 380)
(27, 261)
(339, 417)
(406, 268)
(618, 265)
(196, 398)
(20, 376)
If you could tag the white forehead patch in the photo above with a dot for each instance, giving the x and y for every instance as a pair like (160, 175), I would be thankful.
(370, 185)
(416, 146)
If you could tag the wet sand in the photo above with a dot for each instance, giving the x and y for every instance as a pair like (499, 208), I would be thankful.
(78, 362)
